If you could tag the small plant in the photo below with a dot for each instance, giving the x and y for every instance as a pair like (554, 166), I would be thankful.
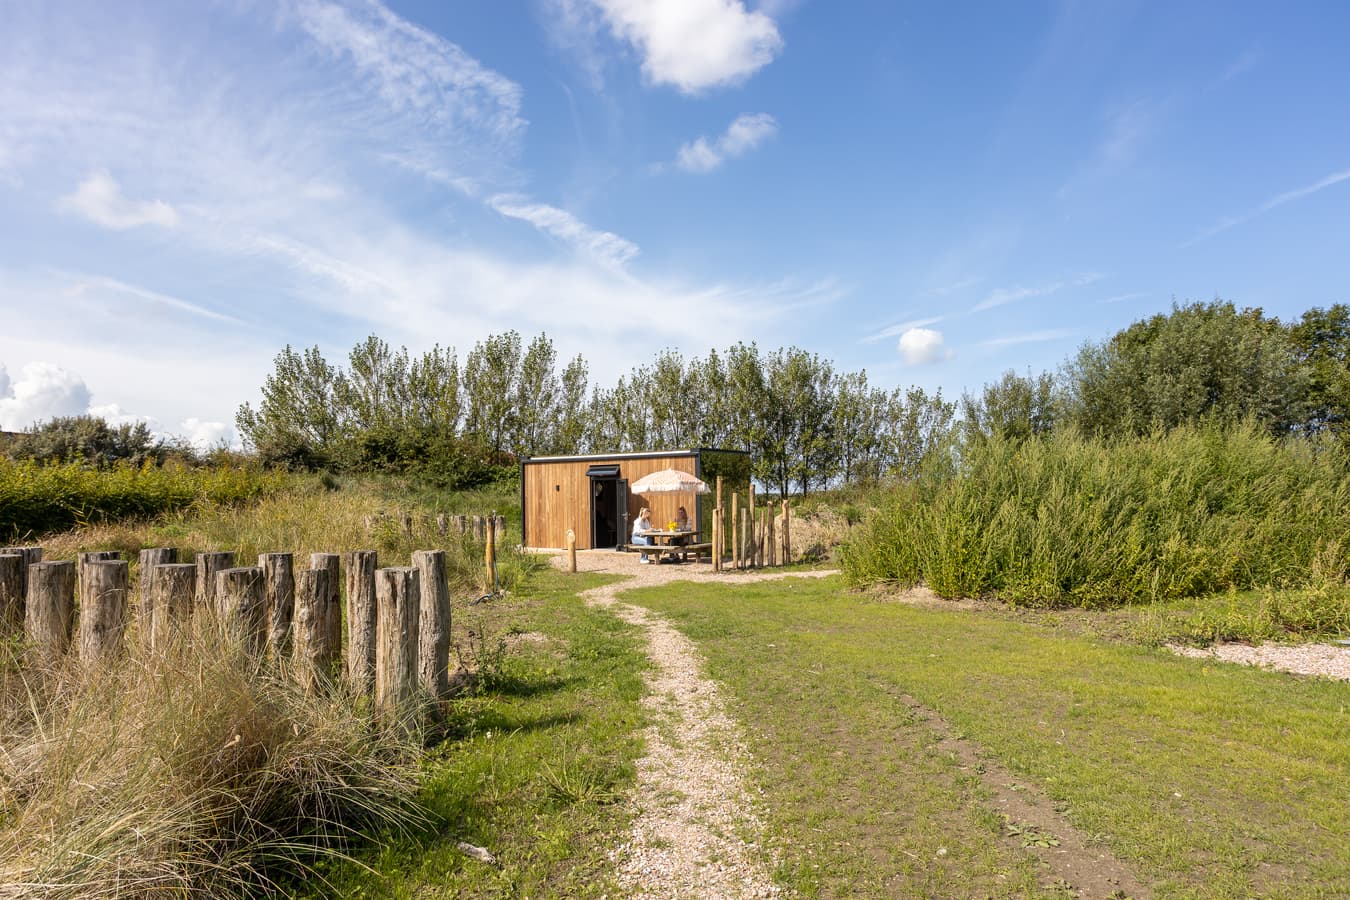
(1028, 835)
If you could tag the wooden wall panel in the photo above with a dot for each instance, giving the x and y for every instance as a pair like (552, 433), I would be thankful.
(557, 497)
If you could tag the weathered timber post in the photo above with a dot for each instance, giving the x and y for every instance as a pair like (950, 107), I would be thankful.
(146, 561)
(480, 528)
(397, 595)
(50, 607)
(408, 525)
(735, 544)
(571, 550)
(242, 596)
(312, 666)
(716, 539)
(103, 609)
(433, 638)
(460, 523)
(442, 524)
(278, 599)
(745, 538)
(490, 551)
(749, 535)
(173, 587)
(12, 590)
(360, 566)
(208, 564)
(31, 557)
(499, 523)
(787, 534)
(332, 612)
(770, 539)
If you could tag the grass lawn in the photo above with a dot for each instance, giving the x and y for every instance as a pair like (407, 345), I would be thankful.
(536, 762)
(1208, 780)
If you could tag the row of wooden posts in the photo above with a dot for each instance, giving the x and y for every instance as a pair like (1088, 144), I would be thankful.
(757, 540)
(478, 526)
(398, 619)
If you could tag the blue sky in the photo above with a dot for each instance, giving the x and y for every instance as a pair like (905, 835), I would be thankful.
(933, 192)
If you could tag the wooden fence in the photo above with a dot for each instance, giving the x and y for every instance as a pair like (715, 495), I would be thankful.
(753, 536)
(398, 619)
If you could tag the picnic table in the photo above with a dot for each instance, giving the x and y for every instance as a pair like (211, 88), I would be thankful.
(671, 542)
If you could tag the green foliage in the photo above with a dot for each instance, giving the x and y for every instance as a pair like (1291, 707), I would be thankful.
(1067, 520)
(1016, 407)
(37, 498)
(91, 439)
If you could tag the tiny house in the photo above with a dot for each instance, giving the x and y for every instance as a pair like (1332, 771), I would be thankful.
(590, 496)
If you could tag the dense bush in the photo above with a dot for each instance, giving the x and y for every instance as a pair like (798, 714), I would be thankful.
(1066, 520)
(93, 440)
(36, 497)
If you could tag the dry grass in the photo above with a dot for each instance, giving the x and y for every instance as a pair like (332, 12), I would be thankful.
(189, 772)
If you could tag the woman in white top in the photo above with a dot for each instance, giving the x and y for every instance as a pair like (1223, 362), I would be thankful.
(642, 523)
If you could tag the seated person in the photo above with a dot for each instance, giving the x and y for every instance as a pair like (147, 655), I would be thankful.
(642, 523)
(681, 524)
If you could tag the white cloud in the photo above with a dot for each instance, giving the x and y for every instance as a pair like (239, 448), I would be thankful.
(40, 392)
(1278, 200)
(205, 435)
(87, 284)
(891, 331)
(1031, 337)
(99, 199)
(746, 133)
(603, 246)
(919, 346)
(694, 44)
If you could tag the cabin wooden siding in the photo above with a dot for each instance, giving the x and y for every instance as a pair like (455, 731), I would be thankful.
(556, 496)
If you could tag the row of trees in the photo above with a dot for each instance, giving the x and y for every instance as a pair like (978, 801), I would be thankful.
(1199, 362)
(805, 424)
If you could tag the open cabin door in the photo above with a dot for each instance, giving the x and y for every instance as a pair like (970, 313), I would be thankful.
(621, 510)
(607, 519)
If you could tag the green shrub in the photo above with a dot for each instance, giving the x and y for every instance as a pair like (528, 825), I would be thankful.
(1065, 520)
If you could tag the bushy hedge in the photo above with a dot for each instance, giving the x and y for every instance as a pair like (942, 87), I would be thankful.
(1065, 520)
(37, 498)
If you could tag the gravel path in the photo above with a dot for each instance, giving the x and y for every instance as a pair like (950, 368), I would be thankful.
(1326, 660)
(695, 830)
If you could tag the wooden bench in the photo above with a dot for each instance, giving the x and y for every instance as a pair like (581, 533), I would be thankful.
(680, 550)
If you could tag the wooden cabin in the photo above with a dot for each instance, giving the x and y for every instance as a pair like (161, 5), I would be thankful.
(589, 494)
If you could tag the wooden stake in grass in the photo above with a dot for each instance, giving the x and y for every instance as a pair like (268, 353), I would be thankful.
(50, 607)
(744, 547)
(278, 599)
(103, 609)
(31, 556)
(490, 551)
(571, 550)
(208, 564)
(173, 588)
(312, 665)
(360, 567)
(332, 612)
(243, 603)
(735, 532)
(146, 561)
(787, 534)
(770, 541)
(433, 639)
(442, 524)
(11, 594)
(397, 592)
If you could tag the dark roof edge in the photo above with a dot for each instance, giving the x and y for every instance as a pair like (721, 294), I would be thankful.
(651, 454)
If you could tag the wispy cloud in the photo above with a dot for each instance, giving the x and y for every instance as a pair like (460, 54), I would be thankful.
(692, 45)
(1003, 296)
(891, 331)
(1031, 337)
(1121, 298)
(87, 284)
(603, 246)
(99, 199)
(746, 133)
(1278, 200)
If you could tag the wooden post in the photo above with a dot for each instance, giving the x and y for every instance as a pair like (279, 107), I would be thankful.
(278, 599)
(242, 596)
(433, 638)
(312, 665)
(787, 534)
(442, 524)
(146, 561)
(31, 557)
(12, 590)
(715, 538)
(745, 546)
(735, 531)
(499, 523)
(50, 608)
(770, 540)
(490, 551)
(208, 564)
(103, 609)
(750, 560)
(408, 525)
(173, 587)
(360, 566)
(332, 612)
(397, 596)
(571, 550)
(460, 523)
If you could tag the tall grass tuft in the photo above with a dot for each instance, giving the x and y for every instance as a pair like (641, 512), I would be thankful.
(1066, 520)
(194, 771)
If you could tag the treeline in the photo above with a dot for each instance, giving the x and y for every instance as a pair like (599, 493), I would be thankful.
(805, 424)
(1199, 363)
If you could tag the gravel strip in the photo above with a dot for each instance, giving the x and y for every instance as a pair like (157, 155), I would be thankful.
(1325, 660)
(695, 830)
